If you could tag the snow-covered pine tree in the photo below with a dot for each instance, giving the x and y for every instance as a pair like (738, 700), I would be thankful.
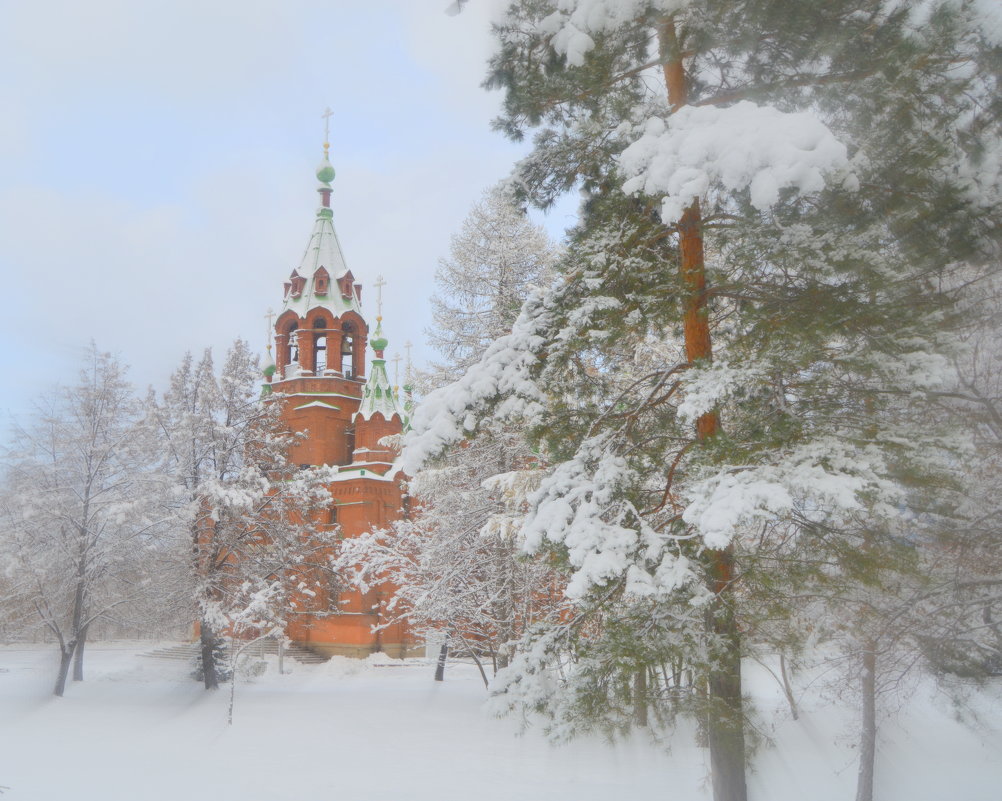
(778, 191)
(77, 504)
(250, 516)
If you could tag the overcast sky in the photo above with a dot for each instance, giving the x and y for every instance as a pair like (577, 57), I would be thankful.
(157, 160)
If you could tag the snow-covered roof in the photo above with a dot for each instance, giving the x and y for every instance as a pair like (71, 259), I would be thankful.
(321, 404)
(363, 472)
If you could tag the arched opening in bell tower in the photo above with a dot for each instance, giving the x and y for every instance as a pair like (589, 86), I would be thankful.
(320, 346)
(291, 344)
(347, 350)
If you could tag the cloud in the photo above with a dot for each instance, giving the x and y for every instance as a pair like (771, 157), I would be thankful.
(157, 181)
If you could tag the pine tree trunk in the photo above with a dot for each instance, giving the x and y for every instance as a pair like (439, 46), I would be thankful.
(726, 718)
(210, 676)
(868, 724)
(725, 721)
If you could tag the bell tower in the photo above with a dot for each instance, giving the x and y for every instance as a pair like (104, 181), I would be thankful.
(320, 379)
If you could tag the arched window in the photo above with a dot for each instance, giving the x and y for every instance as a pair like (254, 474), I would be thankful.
(320, 347)
(321, 281)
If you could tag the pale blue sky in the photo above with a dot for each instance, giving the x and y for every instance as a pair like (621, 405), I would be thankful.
(156, 167)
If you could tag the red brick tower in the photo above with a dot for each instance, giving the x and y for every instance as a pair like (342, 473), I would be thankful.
(319, 376)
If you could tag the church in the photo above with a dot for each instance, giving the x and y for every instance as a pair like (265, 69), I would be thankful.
(344, 407)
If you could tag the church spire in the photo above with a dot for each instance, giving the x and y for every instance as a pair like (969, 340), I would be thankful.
(379, 395)
(322, 278)
(320, 330)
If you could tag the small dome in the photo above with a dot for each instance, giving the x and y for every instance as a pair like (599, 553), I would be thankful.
(378, 341)
(325, 172)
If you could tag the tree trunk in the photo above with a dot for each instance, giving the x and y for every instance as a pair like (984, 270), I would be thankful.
(868, 724)
(788, 688)
(726, 718)
(210, 676)
(65, 658)
(443, 654)
(78, 655)
(79, 631)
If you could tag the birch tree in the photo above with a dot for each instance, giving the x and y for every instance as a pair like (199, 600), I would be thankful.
(80, 510)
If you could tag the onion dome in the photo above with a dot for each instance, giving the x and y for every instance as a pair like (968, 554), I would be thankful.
(325, 172)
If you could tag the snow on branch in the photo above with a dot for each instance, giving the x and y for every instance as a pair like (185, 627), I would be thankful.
(446, 414)
(582, 505)
(574, 20)
(744, 146)
(707, 386)
(826, 477)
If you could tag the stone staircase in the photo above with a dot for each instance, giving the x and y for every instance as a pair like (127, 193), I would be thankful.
(188, 651)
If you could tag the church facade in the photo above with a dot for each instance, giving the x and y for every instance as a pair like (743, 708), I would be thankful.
(344, 406)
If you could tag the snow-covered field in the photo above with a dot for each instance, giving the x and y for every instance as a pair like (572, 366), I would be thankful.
(139, 729)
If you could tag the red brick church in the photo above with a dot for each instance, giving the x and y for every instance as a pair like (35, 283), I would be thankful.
(326, 390)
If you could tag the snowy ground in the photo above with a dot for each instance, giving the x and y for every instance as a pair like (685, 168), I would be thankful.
(138, 728)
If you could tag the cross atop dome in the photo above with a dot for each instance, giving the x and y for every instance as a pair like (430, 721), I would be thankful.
(327, 129)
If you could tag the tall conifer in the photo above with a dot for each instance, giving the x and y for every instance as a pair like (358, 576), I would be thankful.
(756, 306)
